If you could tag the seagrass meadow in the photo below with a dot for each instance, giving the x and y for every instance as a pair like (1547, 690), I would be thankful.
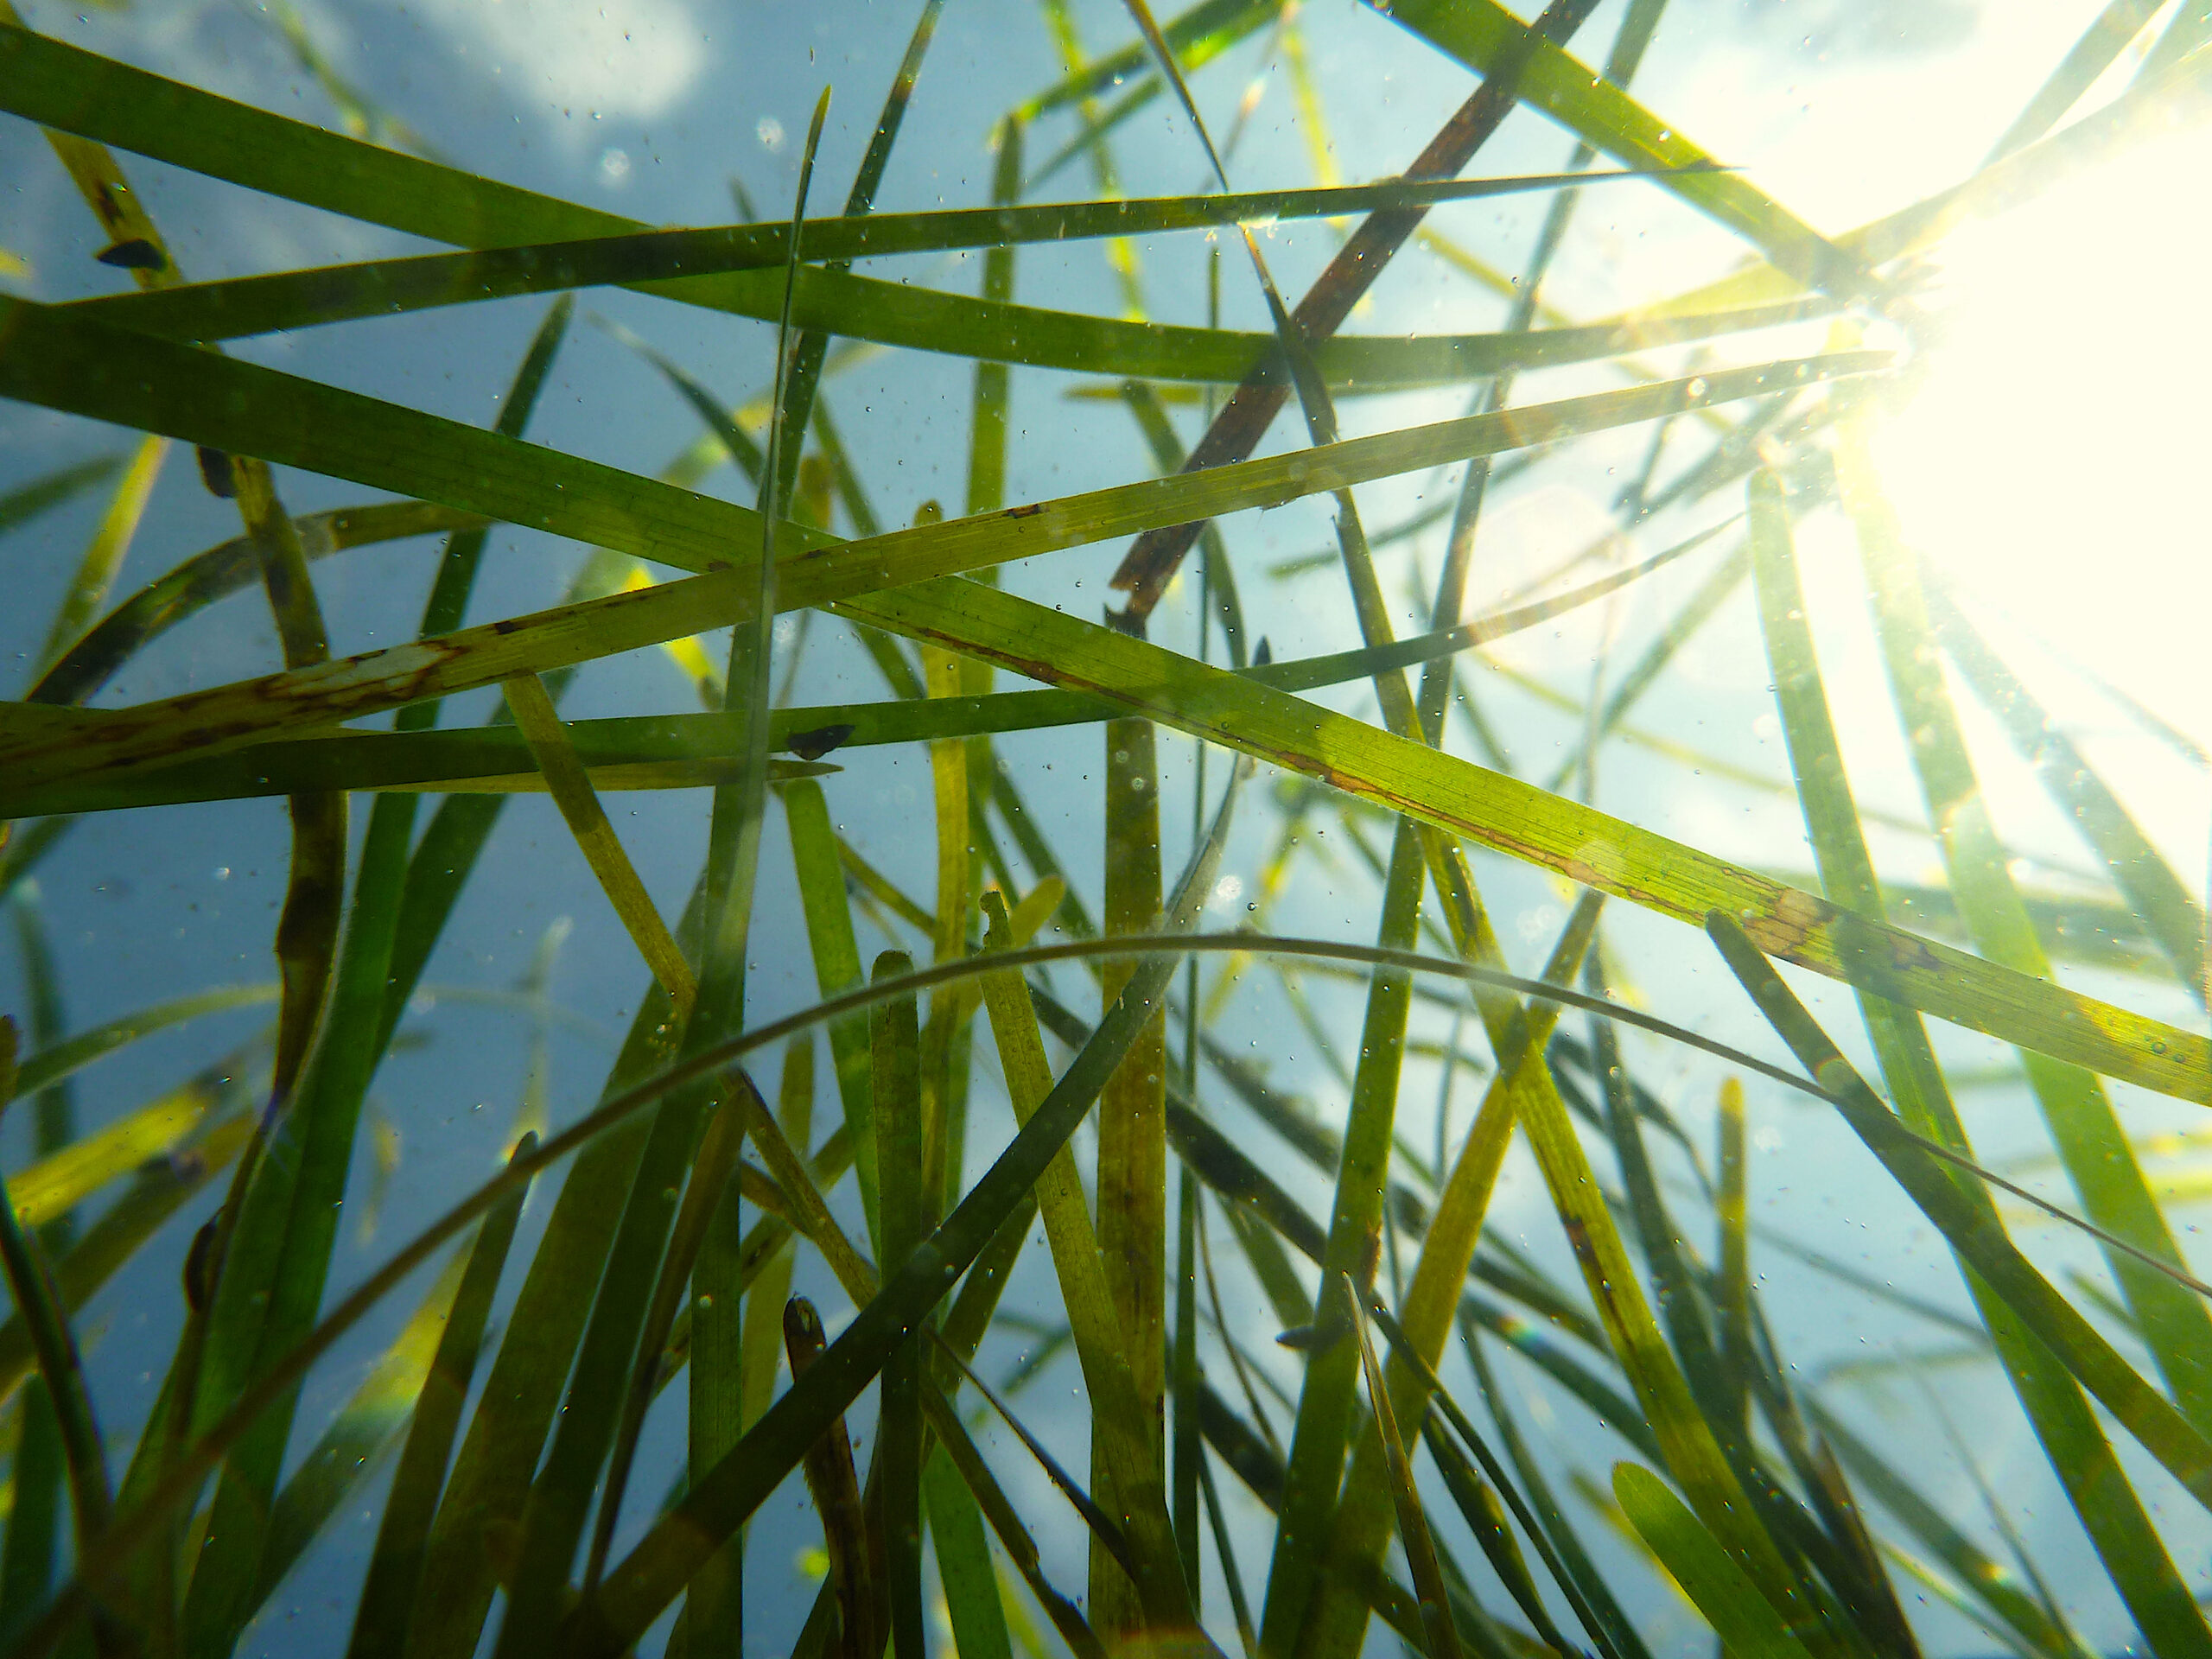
(1012, 827)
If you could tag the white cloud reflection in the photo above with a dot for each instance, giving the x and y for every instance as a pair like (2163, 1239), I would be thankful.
(637, 60)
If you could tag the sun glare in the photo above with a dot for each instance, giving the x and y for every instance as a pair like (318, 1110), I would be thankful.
(2055, 459)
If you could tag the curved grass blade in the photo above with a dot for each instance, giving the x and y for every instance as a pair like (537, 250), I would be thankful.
(200, 581)
(132, 1530)
(51, 1066)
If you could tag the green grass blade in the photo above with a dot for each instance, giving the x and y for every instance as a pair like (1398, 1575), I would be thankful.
(2156, 1424)
(2158, 898)
(1602, 116)
(104, 556)
(356, 1438)
(895, 1043)
(704, 1196)
(1713, 1582)
(485, 1493)
(836, 970)
(51, 1066)
(636, 1589)
(19, 506)
(1497, 811)
(39, 1303)
(387, 1600)
(1132, 1174)
(963, 1562)
(348, 435)
(2124, 1537)
(1006, 1521)
(1327, 1400)
(2103, 1169)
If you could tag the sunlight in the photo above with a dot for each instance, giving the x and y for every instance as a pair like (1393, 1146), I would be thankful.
(2054, 458)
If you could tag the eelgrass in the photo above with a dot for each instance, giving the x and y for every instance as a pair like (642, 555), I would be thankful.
(562, 1505)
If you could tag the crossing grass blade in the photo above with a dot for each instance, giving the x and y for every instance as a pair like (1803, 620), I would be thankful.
(675, 751)
(2127, 1542)
(38, 1303)
(2157, 898)
(325, 429)
(572, 792)
(2177, 1326)
(647, 1266)
(1589, 847)
(242, 307)
(387, 1603)
(190, 586)
(2148, 1416)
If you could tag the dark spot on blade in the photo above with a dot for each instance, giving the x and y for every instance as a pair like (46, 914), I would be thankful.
(200, 1269)
(135, 254)
(215, 472)
(812, 745)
